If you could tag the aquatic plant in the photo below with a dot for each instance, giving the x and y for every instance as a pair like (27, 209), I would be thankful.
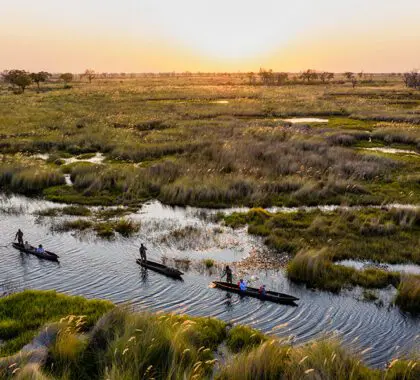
(76, 211)
(209, 263)
(69, 225)
(126, 227)
(408, 296)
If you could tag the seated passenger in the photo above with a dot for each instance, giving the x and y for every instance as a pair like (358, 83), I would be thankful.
(262, 291)
(40, 249)
(242, 285)
(27, 245)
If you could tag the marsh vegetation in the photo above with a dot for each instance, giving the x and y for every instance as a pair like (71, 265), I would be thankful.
(318, 239)
(125, 345)
(171, 139)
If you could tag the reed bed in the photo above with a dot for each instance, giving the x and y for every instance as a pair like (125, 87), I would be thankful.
(126, 345)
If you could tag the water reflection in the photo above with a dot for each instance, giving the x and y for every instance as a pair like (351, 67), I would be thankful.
(228, 302)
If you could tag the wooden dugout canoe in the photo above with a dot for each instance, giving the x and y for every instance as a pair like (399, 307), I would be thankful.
(253, 292)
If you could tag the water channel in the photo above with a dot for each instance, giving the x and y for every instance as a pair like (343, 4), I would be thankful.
(97, 268)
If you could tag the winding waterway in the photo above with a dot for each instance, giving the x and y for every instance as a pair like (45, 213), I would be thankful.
(92, 267)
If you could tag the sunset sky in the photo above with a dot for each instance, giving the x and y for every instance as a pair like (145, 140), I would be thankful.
(204, 35)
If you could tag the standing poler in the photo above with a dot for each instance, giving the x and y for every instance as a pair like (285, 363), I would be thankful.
(143, 250)
(19, 237)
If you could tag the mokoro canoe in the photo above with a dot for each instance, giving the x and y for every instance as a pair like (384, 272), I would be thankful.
(253, 292)
(167, 271)
(51, 256)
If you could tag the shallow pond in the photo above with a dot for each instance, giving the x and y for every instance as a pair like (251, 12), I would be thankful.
(106, 269)
(392, 150)
(298, 120)
(98, 158)
(406, 268)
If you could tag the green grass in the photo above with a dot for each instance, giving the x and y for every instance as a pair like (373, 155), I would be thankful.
(192, 150)
(78, 224)
(76, 211)
(140, 346)
(323, 359)
(243, 338)
(125, 227)
(318, 239)
(127, 345)
(381, 235)
(408, 297)
(23, 314)
(316, 270)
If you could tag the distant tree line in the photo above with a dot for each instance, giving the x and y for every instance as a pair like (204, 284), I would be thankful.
(21, 79)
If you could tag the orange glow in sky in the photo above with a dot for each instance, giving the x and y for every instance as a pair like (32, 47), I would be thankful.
(217, 35)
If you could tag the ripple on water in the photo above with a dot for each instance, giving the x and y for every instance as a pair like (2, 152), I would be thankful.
(106, 269)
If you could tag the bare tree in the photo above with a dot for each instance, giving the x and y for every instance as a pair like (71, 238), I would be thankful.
(267, 76)
(412, 79)
(281, 78)
(326, 76)
(251, 78)
(89, 74)
(349, 75)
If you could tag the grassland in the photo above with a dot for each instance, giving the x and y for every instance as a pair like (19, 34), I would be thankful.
(212, 141)
(125, 345)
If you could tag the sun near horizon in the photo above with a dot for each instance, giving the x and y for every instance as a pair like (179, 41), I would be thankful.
(158, 35)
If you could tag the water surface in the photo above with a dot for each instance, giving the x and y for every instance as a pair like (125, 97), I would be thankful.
(92, 267)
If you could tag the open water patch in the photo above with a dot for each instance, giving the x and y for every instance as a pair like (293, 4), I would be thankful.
(361, 265)
(301, 120)
(392, 150)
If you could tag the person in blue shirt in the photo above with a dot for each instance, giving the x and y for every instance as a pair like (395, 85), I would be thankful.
(40, 249)
(242, 285)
